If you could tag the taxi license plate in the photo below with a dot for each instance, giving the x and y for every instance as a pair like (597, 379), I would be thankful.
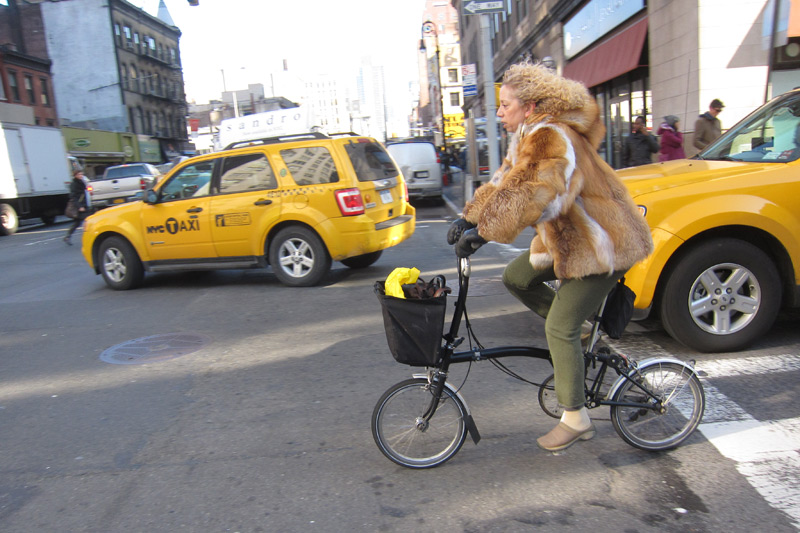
(386, 196)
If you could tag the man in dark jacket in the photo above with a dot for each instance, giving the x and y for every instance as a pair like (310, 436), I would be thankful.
(639, 145)
(708, 127)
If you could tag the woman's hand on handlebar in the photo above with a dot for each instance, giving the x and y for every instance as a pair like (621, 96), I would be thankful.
(456, 229)
(469, 242)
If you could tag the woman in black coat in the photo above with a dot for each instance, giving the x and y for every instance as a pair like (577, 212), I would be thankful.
(78, 195)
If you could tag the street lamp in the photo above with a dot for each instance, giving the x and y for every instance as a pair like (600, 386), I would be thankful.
(429, 27)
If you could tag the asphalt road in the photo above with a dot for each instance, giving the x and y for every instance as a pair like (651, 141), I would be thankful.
(265, 425)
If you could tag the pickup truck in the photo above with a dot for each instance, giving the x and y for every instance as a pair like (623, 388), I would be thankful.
(123, 183)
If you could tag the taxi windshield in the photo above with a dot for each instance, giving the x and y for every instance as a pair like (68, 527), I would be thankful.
(769, 135)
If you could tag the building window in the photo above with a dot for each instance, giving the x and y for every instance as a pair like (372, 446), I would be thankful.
(134, 79)
(117, 33)
(13, 84)
(29, 89)
(452, 75)
(45, 91)
(2, 91)
(455, 99)
(136, 41)
(127, 31)
(123, 70)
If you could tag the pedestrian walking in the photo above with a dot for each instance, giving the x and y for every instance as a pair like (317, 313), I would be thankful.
(671, 139)
(79, 195)
(707, 127)
(640, 145)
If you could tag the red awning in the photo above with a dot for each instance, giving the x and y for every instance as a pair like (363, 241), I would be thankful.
(611, 58)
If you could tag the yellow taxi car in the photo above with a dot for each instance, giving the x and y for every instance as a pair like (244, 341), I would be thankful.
(295, 203)
(726, 229)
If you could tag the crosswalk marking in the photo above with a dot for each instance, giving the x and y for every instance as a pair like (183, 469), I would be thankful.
(766, 453)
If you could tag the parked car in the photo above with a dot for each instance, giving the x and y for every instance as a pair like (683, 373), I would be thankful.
(295, 203)
(123, 183)
(421, 166)
(726, 228)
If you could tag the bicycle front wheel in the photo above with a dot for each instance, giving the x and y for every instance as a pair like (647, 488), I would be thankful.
(547, 398)
(404, 436)
(683, 402)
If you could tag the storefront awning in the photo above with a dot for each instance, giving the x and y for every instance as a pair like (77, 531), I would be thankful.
(611, 58)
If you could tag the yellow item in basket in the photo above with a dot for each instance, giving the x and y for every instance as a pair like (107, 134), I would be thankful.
(399, 277)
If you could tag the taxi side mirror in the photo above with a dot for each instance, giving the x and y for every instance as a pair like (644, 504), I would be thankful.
(150, 196)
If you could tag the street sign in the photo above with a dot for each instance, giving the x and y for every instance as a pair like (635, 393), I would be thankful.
(478, 8)
(469, 79)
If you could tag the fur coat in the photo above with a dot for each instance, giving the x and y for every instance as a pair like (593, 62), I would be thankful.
(553, 180)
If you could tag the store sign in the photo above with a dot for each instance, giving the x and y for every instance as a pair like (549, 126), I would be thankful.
(595, 20)
(81, 143)
(454, 126)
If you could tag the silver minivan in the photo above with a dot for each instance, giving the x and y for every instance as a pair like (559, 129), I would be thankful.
(421, 168)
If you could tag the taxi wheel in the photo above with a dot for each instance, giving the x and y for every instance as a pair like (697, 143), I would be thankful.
(120, 264)
(721, 296)
(362, 261)
(298, 257)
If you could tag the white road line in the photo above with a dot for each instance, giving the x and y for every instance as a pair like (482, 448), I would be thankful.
(762, 364)
(766, 453)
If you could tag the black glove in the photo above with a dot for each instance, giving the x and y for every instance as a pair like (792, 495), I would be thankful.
(469, 242)
(456, 229)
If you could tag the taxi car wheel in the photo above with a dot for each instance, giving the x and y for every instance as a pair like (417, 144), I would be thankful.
(120, 264)
(298, 257)
(721, 296)
(362, 261)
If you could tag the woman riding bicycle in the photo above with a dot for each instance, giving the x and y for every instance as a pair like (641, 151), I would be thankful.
(588, 230)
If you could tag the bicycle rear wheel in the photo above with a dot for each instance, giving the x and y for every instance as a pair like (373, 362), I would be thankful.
(404, 436)
(682, 397)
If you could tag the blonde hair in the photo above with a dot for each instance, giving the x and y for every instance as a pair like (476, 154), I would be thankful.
(535, 83)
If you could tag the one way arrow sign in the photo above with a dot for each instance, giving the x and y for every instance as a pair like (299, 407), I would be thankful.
(477, 8)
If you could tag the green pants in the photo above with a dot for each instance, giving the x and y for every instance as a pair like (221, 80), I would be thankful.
(565, 312)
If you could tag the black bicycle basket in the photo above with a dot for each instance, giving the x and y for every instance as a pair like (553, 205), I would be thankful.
(413, 326)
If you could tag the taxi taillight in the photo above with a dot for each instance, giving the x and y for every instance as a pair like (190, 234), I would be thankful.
(350, 202)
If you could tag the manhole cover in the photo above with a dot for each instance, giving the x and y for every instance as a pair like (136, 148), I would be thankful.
(154, 349)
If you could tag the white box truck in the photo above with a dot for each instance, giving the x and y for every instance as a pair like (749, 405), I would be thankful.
(35, 174)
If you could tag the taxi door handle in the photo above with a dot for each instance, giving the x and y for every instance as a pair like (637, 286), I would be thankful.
(263, 202)
(194, 210)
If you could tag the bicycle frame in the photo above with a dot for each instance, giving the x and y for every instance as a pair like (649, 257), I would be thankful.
(438, 376)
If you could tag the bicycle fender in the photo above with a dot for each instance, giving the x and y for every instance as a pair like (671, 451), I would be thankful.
(472, 429)
(647, 363)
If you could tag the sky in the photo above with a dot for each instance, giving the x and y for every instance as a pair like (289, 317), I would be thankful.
(249, 39)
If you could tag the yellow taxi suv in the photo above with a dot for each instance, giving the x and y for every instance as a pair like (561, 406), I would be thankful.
(726, 229)
(295, 203)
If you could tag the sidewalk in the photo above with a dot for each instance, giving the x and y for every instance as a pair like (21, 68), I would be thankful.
(454, 192)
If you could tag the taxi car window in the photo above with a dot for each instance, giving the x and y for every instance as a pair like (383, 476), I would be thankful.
(312, 165)
(371, 162)
(246, 173)
(772, 136)
(191, 181)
